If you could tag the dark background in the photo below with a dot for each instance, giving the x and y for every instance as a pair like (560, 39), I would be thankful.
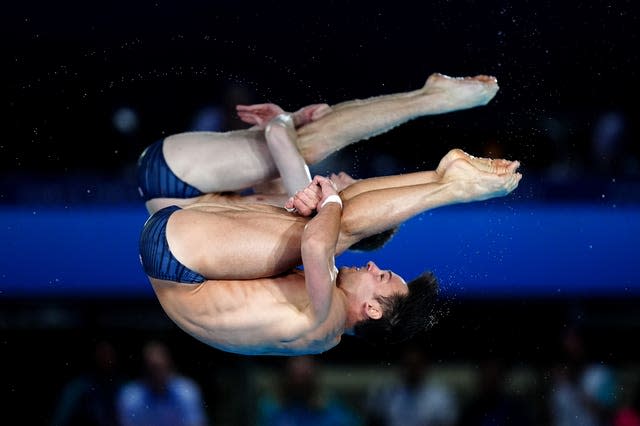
(561, 68)
(567, 108)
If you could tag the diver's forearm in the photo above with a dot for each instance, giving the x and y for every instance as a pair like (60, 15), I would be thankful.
(281, 136)
(318, 250)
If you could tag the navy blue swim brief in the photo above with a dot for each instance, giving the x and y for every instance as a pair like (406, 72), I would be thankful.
(155, 178)
(155, 256)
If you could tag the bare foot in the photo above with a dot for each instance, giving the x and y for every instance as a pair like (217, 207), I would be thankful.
(478, 185)
(310, 113)
(462, 92)
(489, 165)
(342, 180)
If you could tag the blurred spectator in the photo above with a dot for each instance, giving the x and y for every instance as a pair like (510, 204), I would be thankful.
(609, 142)
(162, 396)
(90, 398)
(235, 94)
(583, 394)
(599, 385)
(208, 119)
(563, 163)
(416, 399)
(302, 402)
(568, 406)
(628, 414)
(492, 404)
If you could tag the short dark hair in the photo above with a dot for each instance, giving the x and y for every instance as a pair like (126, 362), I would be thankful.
(403, 316)
(375, 241)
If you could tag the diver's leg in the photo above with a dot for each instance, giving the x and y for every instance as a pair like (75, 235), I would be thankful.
(384, 207)
(340, 125)
(217, 162)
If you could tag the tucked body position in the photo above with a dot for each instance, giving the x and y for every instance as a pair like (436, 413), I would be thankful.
(253, 277)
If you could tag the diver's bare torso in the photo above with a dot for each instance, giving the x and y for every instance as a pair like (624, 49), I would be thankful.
(270, 316)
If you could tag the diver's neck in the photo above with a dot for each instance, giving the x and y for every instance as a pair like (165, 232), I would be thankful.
(353, 314)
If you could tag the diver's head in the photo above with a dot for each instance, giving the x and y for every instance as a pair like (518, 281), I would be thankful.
(391, 311)
(365, 286)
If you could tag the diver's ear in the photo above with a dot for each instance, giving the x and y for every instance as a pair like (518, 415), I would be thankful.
(373, 310)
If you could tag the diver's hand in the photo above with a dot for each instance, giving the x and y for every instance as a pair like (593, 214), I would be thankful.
(305, 201)
(259, 114)
(308, 200)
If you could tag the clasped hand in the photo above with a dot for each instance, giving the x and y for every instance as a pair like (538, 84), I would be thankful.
(306, 201)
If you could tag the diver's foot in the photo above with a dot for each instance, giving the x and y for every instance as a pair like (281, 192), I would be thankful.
(489, 165)
(478, 185)
(309, 114)
(342, 180)
(461, 92)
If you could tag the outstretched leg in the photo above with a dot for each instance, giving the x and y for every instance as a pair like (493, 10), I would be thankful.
(486, 165)
(236, 160)
(349, 122)
(378, 204)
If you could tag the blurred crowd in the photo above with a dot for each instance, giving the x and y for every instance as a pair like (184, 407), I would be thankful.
(415, 390)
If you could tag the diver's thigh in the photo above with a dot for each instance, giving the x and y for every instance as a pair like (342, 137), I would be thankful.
(217, 162)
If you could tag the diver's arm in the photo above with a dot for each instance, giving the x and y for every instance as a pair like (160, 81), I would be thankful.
(281, 140)
(318, 249)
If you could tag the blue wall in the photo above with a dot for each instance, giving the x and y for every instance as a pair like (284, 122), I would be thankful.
(477, 250)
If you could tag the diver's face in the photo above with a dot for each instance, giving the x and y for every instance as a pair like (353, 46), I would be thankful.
(369, 282)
